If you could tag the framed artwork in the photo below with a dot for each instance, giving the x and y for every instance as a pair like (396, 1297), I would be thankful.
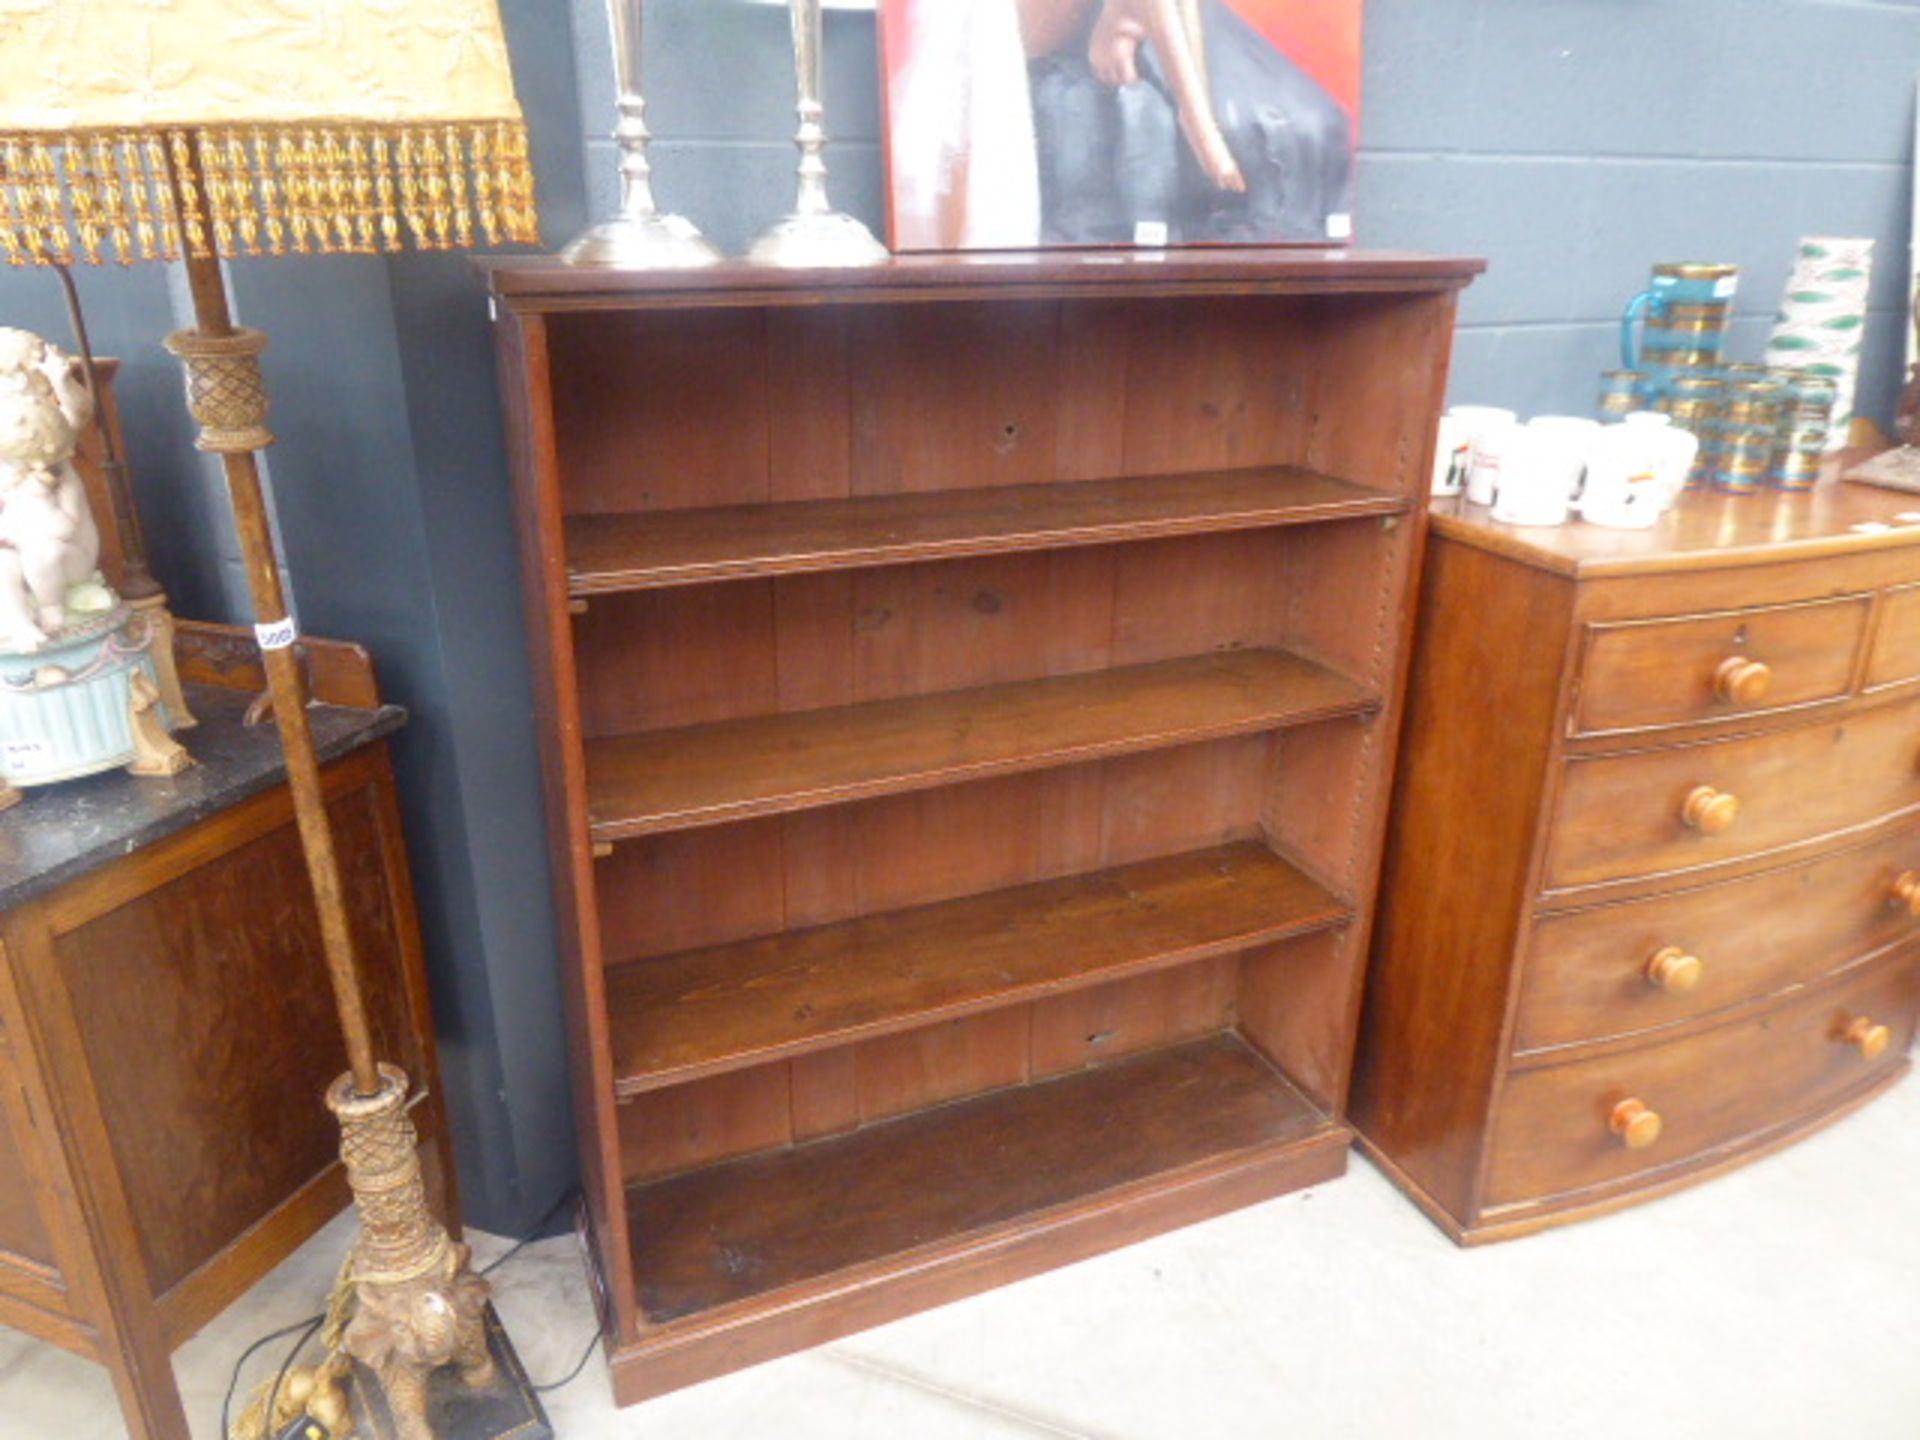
(1012, 124)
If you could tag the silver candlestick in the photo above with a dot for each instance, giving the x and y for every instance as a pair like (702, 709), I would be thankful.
(814, 234)
(639, 237)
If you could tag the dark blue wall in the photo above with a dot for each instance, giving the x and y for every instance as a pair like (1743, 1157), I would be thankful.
(1570, 141)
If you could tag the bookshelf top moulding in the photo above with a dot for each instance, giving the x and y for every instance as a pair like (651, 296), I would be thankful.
(543, 283)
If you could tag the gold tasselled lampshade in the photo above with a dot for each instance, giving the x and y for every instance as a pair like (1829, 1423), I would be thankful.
(317, 125)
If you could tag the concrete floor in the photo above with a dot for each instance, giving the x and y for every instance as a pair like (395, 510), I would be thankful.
(1782, 1301)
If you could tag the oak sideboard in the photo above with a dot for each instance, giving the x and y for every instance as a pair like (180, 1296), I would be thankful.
(166, 1027)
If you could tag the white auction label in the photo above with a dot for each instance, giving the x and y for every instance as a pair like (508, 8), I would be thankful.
(277, 636)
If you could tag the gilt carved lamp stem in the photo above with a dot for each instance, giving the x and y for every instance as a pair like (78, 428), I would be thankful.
(200, 130)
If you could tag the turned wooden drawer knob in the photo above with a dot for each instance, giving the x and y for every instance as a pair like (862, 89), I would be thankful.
(1869, 1039)
(1673, 969)
(1710, 811)
(1636, 1125)
(1742, 682)
(1906, 892)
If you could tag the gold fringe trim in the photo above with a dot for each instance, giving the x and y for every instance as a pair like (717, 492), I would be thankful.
(252, 190)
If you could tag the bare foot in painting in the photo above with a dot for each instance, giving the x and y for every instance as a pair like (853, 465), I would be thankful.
(1210, 147)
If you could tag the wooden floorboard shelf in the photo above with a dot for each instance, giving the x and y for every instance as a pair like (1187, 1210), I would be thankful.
(659, 780)
(677, 1017)
(648, 549)
(936, 1186)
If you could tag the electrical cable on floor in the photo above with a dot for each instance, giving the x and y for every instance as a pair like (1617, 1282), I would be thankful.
(579, 1365)
(273, 1395)
(307, 1326)
(595, 1292)
(311, 1325)
(571, 1194)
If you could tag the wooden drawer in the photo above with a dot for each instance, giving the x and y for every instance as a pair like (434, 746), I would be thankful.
(1644, 673)
(1590, 974)
(1552, 1131)
(1896, 639)
(1623, 815)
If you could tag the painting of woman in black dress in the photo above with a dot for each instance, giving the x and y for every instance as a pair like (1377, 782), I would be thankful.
(1017, 123)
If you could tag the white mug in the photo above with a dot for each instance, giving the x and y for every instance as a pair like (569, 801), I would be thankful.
(1452, 456)
(1487, 424)
(1572, 438)
(1678, 450)
(1533, 478)
(1626, 487)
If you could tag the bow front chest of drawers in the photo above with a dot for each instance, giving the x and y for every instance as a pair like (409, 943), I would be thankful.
(1650, 897)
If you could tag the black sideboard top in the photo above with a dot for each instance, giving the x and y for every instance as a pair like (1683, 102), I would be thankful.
(60, 832)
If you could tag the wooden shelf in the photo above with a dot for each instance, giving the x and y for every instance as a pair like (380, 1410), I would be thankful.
(677, 1017)
(944, 1188)
(659, 780)
(639, 551)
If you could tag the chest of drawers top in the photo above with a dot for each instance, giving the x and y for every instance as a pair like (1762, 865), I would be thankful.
(1706, 531)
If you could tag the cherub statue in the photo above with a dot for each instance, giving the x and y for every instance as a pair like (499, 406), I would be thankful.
(48, 542)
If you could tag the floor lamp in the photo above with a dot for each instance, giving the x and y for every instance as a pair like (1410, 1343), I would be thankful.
(200, 130)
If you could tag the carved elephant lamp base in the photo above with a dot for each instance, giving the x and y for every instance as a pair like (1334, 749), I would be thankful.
(504, 1409)
(421, 1324)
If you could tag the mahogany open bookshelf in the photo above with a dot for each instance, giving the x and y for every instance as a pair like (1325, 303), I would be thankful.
(968, 694)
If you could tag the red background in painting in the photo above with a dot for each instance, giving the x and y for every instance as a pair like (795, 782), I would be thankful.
(1322, 37)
